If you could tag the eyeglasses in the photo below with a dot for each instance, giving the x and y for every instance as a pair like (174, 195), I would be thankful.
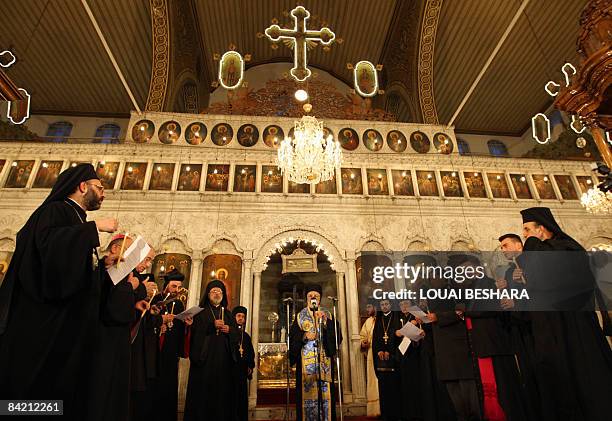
(99, 187)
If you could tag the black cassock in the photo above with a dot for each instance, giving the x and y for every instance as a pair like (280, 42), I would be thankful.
(436, 405)
(109, 395)
(388, 371)
(172, 347)
(144, 364)
(211, 387)
(48, 307)
(410, 376)
(490, 338)
(246, 361)
(573, 361)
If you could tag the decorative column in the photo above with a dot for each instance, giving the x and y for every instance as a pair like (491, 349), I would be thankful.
(246, 287)
(195, 281)
(255, 337)
(344, 346)
(357, 364)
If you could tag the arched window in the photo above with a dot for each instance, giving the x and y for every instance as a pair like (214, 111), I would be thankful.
(59, 131)
(107, 133)
(464, 147)
(497, 148)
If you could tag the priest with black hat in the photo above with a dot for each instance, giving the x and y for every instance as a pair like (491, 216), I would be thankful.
(47, 300)
(171, 345)
(246, 363)
(312, 348)
(573, 361)
(212, 353)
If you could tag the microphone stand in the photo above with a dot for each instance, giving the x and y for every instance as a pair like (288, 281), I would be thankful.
(318, 330)
(334, 301)
(287, 303)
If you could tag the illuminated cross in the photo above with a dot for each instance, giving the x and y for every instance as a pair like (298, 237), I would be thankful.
(300, 36)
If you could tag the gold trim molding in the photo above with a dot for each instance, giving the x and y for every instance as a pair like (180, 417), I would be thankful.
(426, 60)
(160, 65)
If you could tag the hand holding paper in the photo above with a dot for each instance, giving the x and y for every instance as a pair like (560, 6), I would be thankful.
(191, 312)
(419, 314)
(411, 332)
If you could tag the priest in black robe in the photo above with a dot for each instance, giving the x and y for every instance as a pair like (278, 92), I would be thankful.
(172, 348)
(573, 359)
(212, 353)
(387, 361)
(120, 306)
(521, 336)
(246, 364)
(47, 300)
(488, 329)
(410, 370)
(144, 364)
(454, 357)
(312, 349)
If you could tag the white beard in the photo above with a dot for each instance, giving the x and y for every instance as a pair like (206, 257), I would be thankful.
(216, 301)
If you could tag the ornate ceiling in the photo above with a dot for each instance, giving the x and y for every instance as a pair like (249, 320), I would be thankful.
(432, 51)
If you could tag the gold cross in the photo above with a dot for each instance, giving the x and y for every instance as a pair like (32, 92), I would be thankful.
(300, 35)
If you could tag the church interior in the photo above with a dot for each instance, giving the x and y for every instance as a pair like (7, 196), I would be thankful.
(440, 120)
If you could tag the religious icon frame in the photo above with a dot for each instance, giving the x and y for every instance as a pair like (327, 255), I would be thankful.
(190, 170)
(156, 169)
(114, 167)
(536, 179)
(516, 178)
(575, 188)
(139, 178)
(246, 167)
(417, 172)
(443, 190)
(504, 178)
(26, 166)
(38, 183)
(468, 175)
(586, 185)
(399, 174)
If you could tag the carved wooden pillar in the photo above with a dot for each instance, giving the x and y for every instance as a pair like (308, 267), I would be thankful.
(587, 95)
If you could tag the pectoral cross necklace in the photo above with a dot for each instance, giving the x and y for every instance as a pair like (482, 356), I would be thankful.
(385, 336)
(240, 349)
(215, 317)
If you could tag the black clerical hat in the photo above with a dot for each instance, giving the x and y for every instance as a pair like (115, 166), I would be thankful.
(215, 283)
(313, 287)
(542, 216)
(239, 310)
(69, 180)
(173, 275)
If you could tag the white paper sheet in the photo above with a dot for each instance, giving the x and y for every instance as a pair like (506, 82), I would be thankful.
(419, 314)
(191, 312)
(403, 346)
(135, 254)
(411, 331)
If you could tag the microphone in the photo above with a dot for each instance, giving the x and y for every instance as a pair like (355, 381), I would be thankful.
(288, 300)
(313, 304)
(332, 298)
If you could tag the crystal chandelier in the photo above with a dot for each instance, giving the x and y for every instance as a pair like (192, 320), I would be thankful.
(596, 201)
(309, 157)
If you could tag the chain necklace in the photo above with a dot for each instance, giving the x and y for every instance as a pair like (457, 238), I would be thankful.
(213, 314)
(385, 336)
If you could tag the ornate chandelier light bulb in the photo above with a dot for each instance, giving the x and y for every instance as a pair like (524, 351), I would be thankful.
(309, 157)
